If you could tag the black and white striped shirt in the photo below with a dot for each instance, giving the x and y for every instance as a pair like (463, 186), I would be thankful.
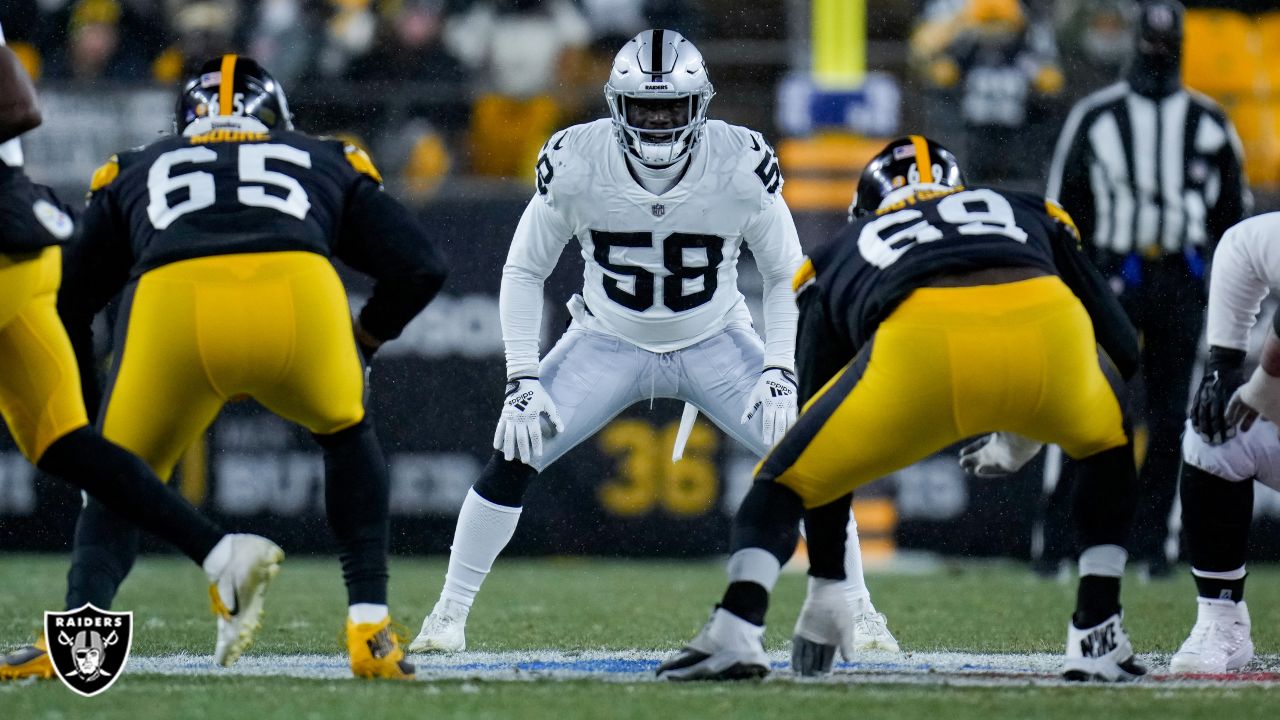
(1149, 176)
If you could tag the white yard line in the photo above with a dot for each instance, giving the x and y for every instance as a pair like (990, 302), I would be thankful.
(932, 668)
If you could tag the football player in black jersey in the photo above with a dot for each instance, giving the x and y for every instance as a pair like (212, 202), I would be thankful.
(941, 312)
(42, 405)
(220, 238)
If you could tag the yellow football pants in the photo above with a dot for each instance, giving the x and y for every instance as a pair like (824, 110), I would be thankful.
(39, 379)
(947, 364)
(272, 326)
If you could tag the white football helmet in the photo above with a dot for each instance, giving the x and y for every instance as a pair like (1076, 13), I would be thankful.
(658, 65)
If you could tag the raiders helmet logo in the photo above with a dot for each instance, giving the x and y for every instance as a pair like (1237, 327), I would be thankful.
(88, 647)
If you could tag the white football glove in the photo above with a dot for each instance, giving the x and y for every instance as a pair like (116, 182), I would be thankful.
(998, 454)
(1260, 396)
(519, 434)
(774, 398)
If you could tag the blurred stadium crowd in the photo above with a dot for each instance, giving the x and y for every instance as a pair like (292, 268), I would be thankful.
(471, 88)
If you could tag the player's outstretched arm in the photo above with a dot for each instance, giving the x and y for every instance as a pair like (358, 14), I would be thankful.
(19, 111)
(383, 239)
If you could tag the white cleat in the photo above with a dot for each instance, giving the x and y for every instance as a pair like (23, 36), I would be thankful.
(1219, 643)
(444, 630)
(871, 634)
(238, 591)
(1102, 652)
(727, 648)
(824, 626)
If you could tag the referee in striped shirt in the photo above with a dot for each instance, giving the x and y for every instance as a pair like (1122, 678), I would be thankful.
(1152, 174)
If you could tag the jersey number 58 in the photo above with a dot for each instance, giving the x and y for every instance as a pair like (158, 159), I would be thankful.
(673, 247)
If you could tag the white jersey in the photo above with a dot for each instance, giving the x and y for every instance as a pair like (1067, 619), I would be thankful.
(1246, 266)
(661, 270)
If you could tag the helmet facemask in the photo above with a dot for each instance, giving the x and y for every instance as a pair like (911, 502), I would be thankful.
(658, 130)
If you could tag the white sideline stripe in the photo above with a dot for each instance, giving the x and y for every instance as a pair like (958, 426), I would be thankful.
(931, 668)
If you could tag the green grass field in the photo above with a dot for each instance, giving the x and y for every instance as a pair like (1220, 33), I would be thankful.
(566, 605)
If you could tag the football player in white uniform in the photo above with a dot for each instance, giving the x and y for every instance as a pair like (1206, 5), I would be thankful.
(660, 200)
(1219, 461)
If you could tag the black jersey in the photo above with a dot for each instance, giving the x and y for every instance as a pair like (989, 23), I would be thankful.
(854, 282)
(31, 216)
(242, 191)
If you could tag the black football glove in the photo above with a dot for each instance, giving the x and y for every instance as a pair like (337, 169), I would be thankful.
(1222, 376)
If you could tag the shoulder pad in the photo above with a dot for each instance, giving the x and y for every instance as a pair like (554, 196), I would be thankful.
(764, 160)
(361, 162)
(544, 172)
(1058, 213)
(105, 175)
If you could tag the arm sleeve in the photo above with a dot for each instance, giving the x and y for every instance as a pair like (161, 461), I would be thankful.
(776, 245)
(1234, 199)
(95, 267)
(381, 238)
(1069, 182)
(539, 239)
(1244, 266)
(1111, 325)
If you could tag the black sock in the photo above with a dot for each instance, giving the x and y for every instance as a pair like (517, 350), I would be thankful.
(747, 600)
(825, 528)
(1105, 497)
(1214, 589)
(357, 491)
(127, 486)
(504, 482)
(1097, 599)
(104, 550)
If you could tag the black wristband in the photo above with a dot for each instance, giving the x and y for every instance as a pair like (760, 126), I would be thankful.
(1221, 358)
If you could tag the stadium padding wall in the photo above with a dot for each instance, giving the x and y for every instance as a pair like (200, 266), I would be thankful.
(435, 399)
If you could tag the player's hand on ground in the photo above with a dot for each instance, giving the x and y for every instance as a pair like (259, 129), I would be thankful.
(519, 434)
(998, 454)
(774, 398)
(1222, 377)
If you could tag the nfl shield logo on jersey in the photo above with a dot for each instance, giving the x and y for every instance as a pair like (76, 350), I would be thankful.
(88, 647)
(658, 210)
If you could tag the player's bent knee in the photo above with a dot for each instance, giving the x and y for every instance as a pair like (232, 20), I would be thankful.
(504, 482)
(1230, 461)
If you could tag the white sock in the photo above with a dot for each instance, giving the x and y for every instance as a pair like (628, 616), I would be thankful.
(367, 613)
(1103, 561)
(754, 565)
(217, 559)
(855, 583)
(483, 530)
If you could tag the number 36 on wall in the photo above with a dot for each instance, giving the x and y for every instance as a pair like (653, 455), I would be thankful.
(644, 479)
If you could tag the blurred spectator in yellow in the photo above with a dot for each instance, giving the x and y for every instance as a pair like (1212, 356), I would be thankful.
(416, 154)
(1096, 37)
(520, 50)
(204, 30)
(94, 40)
(21, 22)
(409, 46)
(999, 66)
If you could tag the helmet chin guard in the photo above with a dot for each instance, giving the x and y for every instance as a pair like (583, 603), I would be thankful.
(658, 65)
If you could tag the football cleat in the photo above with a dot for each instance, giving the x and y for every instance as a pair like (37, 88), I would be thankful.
(871, 633)
(1219, 643)
(727, 648)
(824, 626)
(1102, 652)
(444, 630)
(28, 662)
(237, 594)
(375, 651)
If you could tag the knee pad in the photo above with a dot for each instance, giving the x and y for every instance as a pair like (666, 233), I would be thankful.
(504, 482)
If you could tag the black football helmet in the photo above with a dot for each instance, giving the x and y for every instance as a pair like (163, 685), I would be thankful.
(253, 92)
(910, 160)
